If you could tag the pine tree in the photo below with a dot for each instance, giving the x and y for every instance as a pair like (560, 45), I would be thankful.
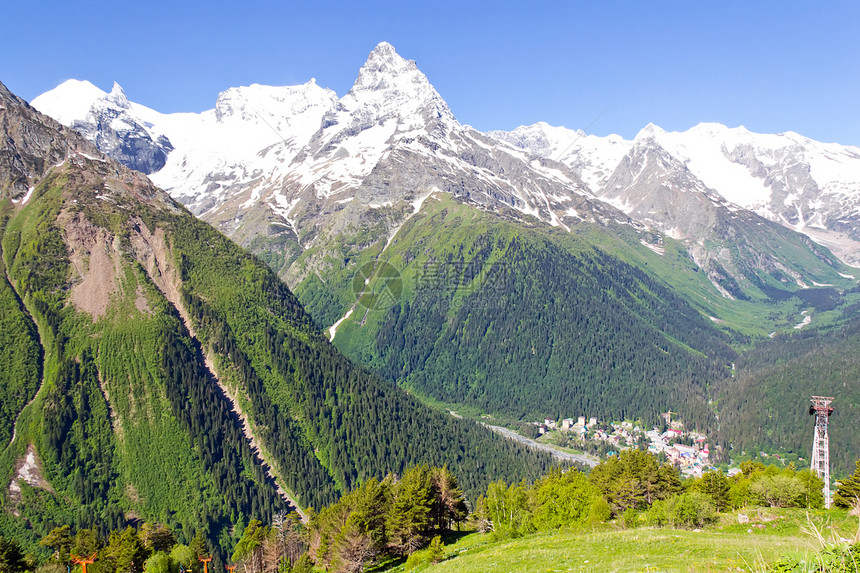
(408, 518)
(449, 505)
(848, 494)
(436, 551)
(60, 541)
(11, 557)
(199, 548)
(716, 485)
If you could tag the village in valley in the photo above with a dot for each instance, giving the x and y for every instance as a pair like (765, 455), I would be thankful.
(687, 450)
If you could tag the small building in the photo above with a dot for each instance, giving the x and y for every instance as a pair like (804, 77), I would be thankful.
(686, 451)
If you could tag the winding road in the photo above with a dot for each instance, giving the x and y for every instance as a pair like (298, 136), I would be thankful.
(591, 461)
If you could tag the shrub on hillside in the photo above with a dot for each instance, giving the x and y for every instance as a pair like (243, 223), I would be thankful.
(691, 509)
(848, 494)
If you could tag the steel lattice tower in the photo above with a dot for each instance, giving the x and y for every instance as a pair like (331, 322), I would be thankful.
(821, 409)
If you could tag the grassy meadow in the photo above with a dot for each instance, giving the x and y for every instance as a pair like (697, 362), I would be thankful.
(770, 535)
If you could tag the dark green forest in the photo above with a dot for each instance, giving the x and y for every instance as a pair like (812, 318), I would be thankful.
(766, 406)
(300, 386)
(526, 325)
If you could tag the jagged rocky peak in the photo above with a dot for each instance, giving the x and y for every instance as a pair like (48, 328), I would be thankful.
(382, 66)
(389, 86)
(117, 97)
(28, 147)
(108, 120)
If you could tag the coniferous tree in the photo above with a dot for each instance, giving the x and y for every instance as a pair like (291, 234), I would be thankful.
(716, 485)
(449, 505)
(848, 494)
(86, 542)
(60, 540)
(11, 557)
(249, 550)
(409, 515)
(634, 479)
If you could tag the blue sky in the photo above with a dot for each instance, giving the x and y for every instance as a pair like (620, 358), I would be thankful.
(771, 66)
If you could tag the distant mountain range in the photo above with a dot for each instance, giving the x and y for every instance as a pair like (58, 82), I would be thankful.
(282, 155)
(806, 185)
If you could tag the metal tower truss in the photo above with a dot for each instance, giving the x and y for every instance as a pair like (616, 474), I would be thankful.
(821, 409)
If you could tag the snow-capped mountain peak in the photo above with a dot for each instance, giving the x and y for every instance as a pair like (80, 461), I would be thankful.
(382, 65)
(591, 157)
(272, 103)
(650, 131)
(117, 97)
(289, 154)
(69, 101)
(390, 86)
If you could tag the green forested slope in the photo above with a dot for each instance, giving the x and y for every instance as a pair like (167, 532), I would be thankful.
(528, 324)
(20, 361)
(767, 404)
(126, 420)
(358, 425)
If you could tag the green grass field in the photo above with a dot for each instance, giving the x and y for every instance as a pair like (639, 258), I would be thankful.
(727, 546)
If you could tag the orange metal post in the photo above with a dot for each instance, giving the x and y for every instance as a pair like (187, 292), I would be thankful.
(84, 561)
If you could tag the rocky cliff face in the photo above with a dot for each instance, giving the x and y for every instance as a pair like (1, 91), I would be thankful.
(110, 122)
(30, 149)
(112, 126)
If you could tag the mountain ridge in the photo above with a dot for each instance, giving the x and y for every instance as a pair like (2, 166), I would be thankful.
(264, 201)
(805, 185)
